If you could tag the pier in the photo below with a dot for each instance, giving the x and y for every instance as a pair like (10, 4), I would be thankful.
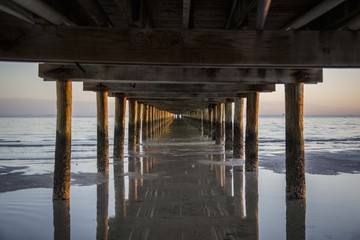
(205, 63)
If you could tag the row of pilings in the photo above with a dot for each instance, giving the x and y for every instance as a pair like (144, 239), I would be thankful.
(218, 123)
(144, 122)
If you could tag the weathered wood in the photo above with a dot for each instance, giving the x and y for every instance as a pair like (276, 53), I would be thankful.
(238, 148)
(262, 10)
(219, 122)
(102, 132)
(61, 190)
(132, 124)
(180, 47)
(186, 14)
(228, 126)
(210, 121)
(295, 155)
(176, 74)
(189, 88)
(138, 121)
(145, 121)
(182, 96)
(119, 128)
(251, 140)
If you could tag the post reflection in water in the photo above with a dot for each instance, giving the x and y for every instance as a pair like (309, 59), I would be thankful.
(61, 221)
(102, 190)
(182, 200)
(295, 219)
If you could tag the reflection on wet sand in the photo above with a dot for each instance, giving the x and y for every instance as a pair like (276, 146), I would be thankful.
(185, 200)
(295, 219)
(61, 220)
(179, 198)
(102, 207)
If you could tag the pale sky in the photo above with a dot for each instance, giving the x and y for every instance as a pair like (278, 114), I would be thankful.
(338, 94)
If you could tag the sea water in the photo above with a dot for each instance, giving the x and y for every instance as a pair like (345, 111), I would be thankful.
(27, 161)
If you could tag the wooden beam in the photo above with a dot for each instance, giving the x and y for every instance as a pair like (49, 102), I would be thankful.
(317, 11)
(178, 95)
(180, 47)
(186, 14)
(119, 128)
(173, 74)
(45, 11)
(181, 88)
(261, 13)
(95, 11)
(251, 136)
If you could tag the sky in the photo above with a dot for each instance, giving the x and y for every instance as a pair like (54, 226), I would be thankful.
(339, 94)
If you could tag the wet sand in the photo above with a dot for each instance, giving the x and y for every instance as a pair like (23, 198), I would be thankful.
(178, 186)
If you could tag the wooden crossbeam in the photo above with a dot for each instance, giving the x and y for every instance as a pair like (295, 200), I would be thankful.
(180, 47)
(178, 95)
(173, 74)
(177, 88)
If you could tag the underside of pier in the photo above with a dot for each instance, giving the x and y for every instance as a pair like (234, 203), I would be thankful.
(188, 58)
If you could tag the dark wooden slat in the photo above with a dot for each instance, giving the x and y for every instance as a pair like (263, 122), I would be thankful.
(169, 74)
(177, 88)
(180, 47)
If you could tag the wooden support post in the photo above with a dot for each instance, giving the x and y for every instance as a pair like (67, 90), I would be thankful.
(138, 122)
(210, 121)
(145, 121)
(132, 125)
(61, 189)
(238, 151)
(251, 141)
(295, 156)
(119, 128)
(102, 132)
(228, 126)
(219, 129)
(151, 121)
(215, 122)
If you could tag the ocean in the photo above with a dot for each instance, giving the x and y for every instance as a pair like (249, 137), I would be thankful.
(332, 209)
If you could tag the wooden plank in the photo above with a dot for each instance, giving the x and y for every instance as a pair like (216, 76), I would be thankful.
(181, 88)
(173, 74)
(180, 47)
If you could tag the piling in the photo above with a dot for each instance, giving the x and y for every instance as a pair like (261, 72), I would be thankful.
(295, 157)
(238, 148)
(61, 190)
(228, 126)
(119, 127)
(210, 120)
(251, 141)
(145, 122)
(102, 132)
(219, 123)
(138, 121)
(132, 125)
